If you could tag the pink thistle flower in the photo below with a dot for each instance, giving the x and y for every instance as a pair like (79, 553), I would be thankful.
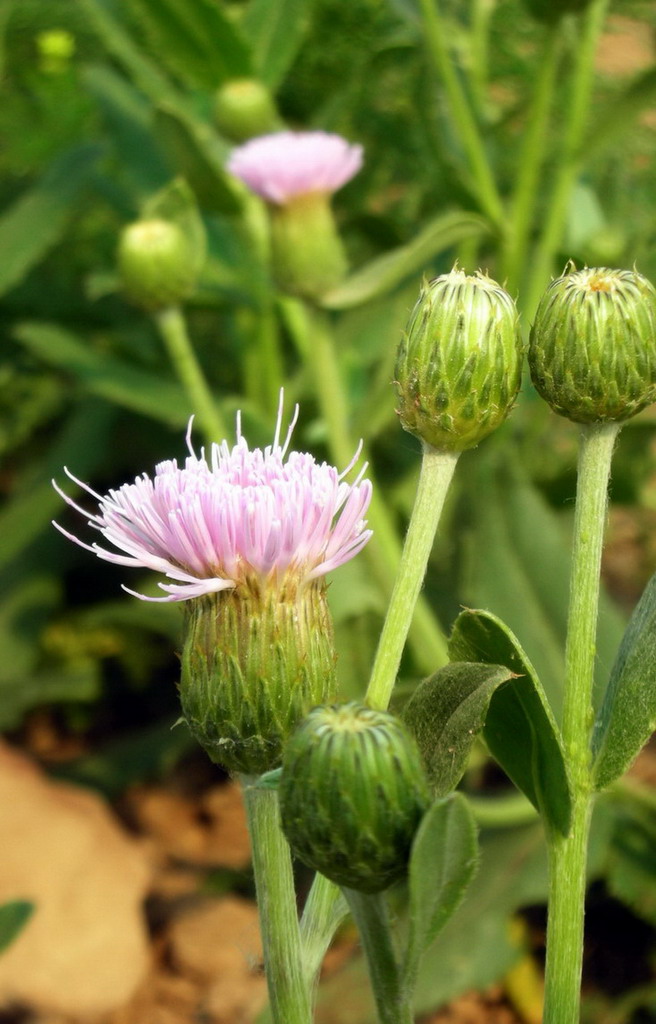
(238, 517)
(283, 165)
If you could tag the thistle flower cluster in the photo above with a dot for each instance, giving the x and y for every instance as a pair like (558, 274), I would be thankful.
(284, 165)
(236, 517)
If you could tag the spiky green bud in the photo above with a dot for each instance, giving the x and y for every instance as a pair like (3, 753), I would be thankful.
(243, 108)
(592, 350)
(459, 364)
(255, 660)
(352, 794)
(157, 263)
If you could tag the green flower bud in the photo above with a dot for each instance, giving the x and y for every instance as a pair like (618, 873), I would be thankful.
(255, 660)
(352, 794)
(592, 350)
(308, 255)
(243, 108)
(157, 263)
(459, 364)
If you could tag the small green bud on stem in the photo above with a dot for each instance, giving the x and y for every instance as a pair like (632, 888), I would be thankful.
(244, 108)
(459, 364)
(352, 795)
(156, 263)
(255, 660)
(592, 350)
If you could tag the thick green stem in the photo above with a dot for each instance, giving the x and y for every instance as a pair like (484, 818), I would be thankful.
(534, 148)
(436, 473)
(576, 112)
(276, 899)
(461, 113)
(371, 916)
(568, 855)
(315, 341)
(172, 327)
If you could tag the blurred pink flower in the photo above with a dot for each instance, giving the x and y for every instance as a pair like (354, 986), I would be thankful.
(236, 517)
(283, 165)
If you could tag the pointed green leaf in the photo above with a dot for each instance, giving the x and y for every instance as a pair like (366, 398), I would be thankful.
(195, 39)
(128, 115)
(14, 915)
(119, 44)
(275, 32)
(445, 714)
(103, 375)
(520, 728)
(443, 860)
(386, 272)
(199, 156)
(627, 716)
(36, 221)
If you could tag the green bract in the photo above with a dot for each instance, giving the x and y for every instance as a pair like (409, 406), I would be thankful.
(552, 10)
(593, 345)
(156, 263)
(459, 364)
(255, 660)
(352, 794)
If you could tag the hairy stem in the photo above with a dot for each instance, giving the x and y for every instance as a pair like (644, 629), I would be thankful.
(276, 900)
(436, 473)
(568, 854)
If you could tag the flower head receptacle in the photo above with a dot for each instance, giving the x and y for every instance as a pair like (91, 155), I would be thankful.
(245, 538)
(352, 795)
(459, 364)
(296, 173)
(592, 349)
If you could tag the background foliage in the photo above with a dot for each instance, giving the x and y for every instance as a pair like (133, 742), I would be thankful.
(105, 102)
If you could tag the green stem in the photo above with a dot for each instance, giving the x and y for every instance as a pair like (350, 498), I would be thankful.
(314, 339)
(480, 33)
(567, 855)
(371, 916)
(172, 327)
(576, 112)
(324, 911)
(276, 901)
(530, 162)
(461, 112)
(435, 476)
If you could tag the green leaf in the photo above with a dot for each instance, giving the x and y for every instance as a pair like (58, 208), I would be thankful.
(128, 115)
(14, 915)
(442, 864)
(631, 873)
(119, 44)
(105, 376)
(445, 714)
(619, 115)
(520, 729)
(517, 553)
(82, 440)
(627, 716)
(199, 156)
(275, 32)
(386, 272)
(37, 220)
(195, 39)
